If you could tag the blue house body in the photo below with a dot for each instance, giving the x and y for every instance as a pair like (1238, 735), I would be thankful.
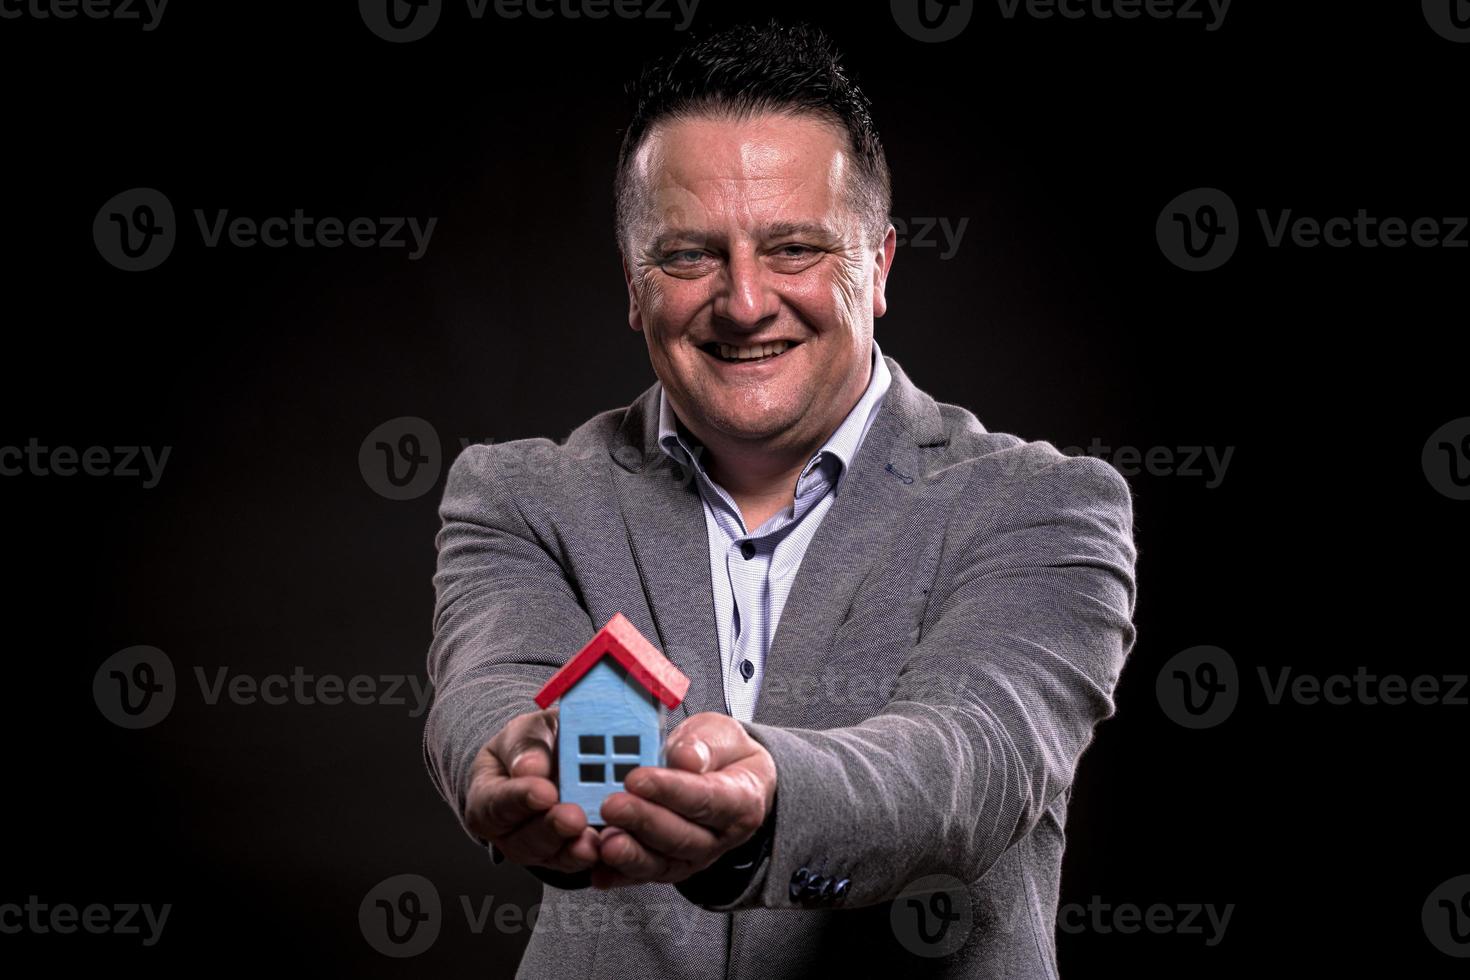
(614, 696)
(609, 724)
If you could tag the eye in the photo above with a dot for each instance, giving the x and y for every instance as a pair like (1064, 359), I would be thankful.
(686, 262)
(795, 256)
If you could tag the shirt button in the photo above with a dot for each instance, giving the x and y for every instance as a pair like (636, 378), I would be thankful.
(747, 550)
(747, 669)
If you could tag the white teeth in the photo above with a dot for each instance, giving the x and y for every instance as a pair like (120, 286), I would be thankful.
(750, 353)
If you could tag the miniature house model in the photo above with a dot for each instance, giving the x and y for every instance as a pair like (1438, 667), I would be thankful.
(613, 696)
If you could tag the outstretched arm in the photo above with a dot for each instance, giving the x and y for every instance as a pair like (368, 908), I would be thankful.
(505, 617)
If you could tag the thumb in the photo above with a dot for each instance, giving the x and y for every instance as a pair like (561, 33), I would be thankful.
(534, 743)
(707, 742)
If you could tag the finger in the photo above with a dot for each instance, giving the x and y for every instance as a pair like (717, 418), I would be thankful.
(707, 742)
(529, 743)
(544, 839)
(621, 852)
(577, 854)
(581, 853)
(499, 807)
(524, 741)
(726, 802)
(487, 768)
(659, 829)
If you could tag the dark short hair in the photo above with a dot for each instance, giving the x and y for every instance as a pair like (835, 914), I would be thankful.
(746, 70)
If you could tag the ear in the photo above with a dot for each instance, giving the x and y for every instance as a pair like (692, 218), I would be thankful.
(635, 315)
(882, 263)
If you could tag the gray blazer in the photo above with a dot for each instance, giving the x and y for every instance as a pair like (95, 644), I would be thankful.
(954, 635)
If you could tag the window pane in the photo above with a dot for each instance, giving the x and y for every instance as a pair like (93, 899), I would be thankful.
(621, 770)
(592, 773)
(625, 745)
(591, 744)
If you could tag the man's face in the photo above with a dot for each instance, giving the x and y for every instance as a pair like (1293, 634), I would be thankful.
(745, 238)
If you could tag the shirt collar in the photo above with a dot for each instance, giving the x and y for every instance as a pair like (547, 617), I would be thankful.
(842, 445)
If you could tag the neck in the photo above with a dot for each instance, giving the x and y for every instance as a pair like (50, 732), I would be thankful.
(760, 475)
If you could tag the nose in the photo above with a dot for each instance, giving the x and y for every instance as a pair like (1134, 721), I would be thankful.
(747, 298)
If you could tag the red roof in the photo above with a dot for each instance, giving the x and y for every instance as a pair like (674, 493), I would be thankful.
(627, 646)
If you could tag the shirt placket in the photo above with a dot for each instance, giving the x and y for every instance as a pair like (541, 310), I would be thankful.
(748, 564)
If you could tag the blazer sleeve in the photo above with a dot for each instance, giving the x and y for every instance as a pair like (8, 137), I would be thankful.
(506, 615)
(991, 709)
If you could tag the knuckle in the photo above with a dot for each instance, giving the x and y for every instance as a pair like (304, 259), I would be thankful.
(747, 823)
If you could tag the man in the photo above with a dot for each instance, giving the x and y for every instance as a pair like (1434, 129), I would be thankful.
(900, 629)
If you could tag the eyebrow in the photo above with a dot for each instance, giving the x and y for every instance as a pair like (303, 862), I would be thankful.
(779, 229)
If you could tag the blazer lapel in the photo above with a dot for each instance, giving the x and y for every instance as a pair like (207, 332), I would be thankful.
(888, 476)
(664, 516)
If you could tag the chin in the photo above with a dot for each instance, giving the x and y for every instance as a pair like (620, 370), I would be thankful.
(756, 428)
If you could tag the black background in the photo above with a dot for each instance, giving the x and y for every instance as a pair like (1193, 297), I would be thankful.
(263, 548)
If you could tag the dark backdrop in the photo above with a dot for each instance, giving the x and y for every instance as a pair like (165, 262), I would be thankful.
(1326, 545)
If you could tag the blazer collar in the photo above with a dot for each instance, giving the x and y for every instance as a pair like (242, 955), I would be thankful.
(664, 519)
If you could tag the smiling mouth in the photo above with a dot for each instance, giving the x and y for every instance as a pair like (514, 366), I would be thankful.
(731, 354)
